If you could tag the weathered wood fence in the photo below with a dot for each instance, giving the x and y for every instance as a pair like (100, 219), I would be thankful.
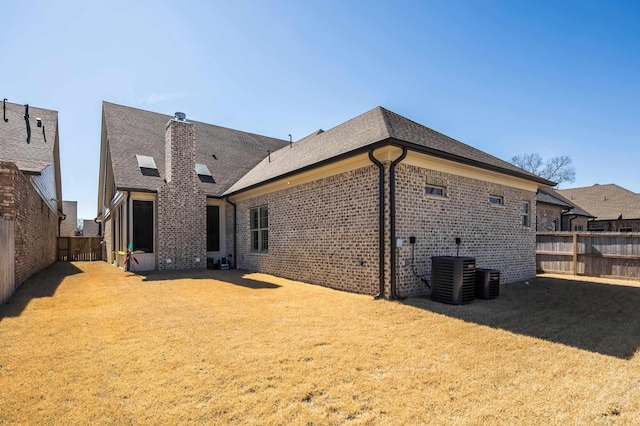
(599, 254)
(7, 259)
(79, 248)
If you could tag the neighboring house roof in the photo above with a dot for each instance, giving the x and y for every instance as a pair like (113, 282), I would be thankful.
(551, 196)
(37, 154)
(34, 150)
(89, 228)
(376, 127)
(606, 202)
(227, 153)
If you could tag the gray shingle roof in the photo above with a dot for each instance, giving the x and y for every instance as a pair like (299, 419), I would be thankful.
(34, 156)
(551, 196)
(132, 131)
(606, 202)
(360, 133)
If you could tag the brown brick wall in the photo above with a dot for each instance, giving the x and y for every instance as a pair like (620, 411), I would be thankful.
(545, 215)
(319, 230)
(181, 204)
(36, 226)
(494, 235)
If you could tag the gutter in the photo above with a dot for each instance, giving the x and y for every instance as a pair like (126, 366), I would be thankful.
(380, 223)
(399, 144)
(392, 210)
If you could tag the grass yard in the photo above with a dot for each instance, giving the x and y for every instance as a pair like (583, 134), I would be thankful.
(86, 343)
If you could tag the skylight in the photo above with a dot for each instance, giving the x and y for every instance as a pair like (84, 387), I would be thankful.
(204, 174)
(147, 165)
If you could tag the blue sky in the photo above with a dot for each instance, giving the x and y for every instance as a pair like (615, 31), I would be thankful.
(508, 77)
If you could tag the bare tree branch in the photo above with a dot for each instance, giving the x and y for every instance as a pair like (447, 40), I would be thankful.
(557, 169)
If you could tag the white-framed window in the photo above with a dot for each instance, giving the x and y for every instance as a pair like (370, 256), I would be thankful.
(259, 228)
(577, 228)
(554, 225)
(435, 191)
(525, 211)
(496, 200)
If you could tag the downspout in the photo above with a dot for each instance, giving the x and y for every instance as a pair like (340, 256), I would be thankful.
(380, 222)
(392, 211)
(563, 213)
(235, 233)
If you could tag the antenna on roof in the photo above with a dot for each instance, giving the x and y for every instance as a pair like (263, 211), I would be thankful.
(4, 110)
(269, 155)
(26, 119)
(290, 141)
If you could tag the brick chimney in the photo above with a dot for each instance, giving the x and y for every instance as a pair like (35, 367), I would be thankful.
(182, 242)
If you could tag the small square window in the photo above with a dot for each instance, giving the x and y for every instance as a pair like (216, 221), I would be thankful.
(435, 191)
(496, 200)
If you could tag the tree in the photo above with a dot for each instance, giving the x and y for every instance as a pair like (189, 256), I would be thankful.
(556, 169)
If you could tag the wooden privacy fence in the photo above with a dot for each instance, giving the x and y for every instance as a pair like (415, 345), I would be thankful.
(598, 254)
(79, 248)
(7, 259)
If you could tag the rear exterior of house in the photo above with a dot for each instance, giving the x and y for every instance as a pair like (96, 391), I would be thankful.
(31, 208)
(361, 207)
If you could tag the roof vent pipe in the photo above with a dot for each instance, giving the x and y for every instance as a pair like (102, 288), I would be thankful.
(180, 116)
(26, 119)
(4, 110)
(290, 141)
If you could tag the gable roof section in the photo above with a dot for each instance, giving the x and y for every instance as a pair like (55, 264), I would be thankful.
(376, 127)
(551, 196)
(35, 156)
(606, 202)
(132, 131)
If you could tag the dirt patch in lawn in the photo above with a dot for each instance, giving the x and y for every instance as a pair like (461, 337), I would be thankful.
(88, 343)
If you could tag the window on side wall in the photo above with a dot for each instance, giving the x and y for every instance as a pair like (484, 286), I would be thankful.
(524, 210)
(435, 191)
(143, 226)
(496, 200)
(554, 225)
(213, 228)
(577, 228)
(259, 227)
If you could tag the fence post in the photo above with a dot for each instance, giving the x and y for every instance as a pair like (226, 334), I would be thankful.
(574, 267)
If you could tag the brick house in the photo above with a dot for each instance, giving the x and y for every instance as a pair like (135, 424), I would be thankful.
(616, 209)
(30, 193)
(555, 213)
(360, 207)
(69, 227)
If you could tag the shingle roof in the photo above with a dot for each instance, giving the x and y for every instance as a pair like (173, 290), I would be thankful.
(132, 131)
(360, 133)
(551, 196)
(34, 156)
(606, 202)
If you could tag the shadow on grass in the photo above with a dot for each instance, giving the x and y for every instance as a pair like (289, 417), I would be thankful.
(601, 318)
(232, 276)
(42, 284)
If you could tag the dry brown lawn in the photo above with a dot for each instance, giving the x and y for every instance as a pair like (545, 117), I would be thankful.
(86, 343)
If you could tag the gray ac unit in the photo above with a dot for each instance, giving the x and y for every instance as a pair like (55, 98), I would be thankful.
(487, 283)
(453, 279)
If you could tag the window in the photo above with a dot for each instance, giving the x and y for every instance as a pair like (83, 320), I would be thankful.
(496, 200)
(213, 228)
(143, 226)
(577, 228)
(554, 225)
(435, 191)
(524, 209)
(259, 218)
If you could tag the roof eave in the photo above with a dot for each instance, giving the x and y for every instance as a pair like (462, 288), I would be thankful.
(398, 143)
